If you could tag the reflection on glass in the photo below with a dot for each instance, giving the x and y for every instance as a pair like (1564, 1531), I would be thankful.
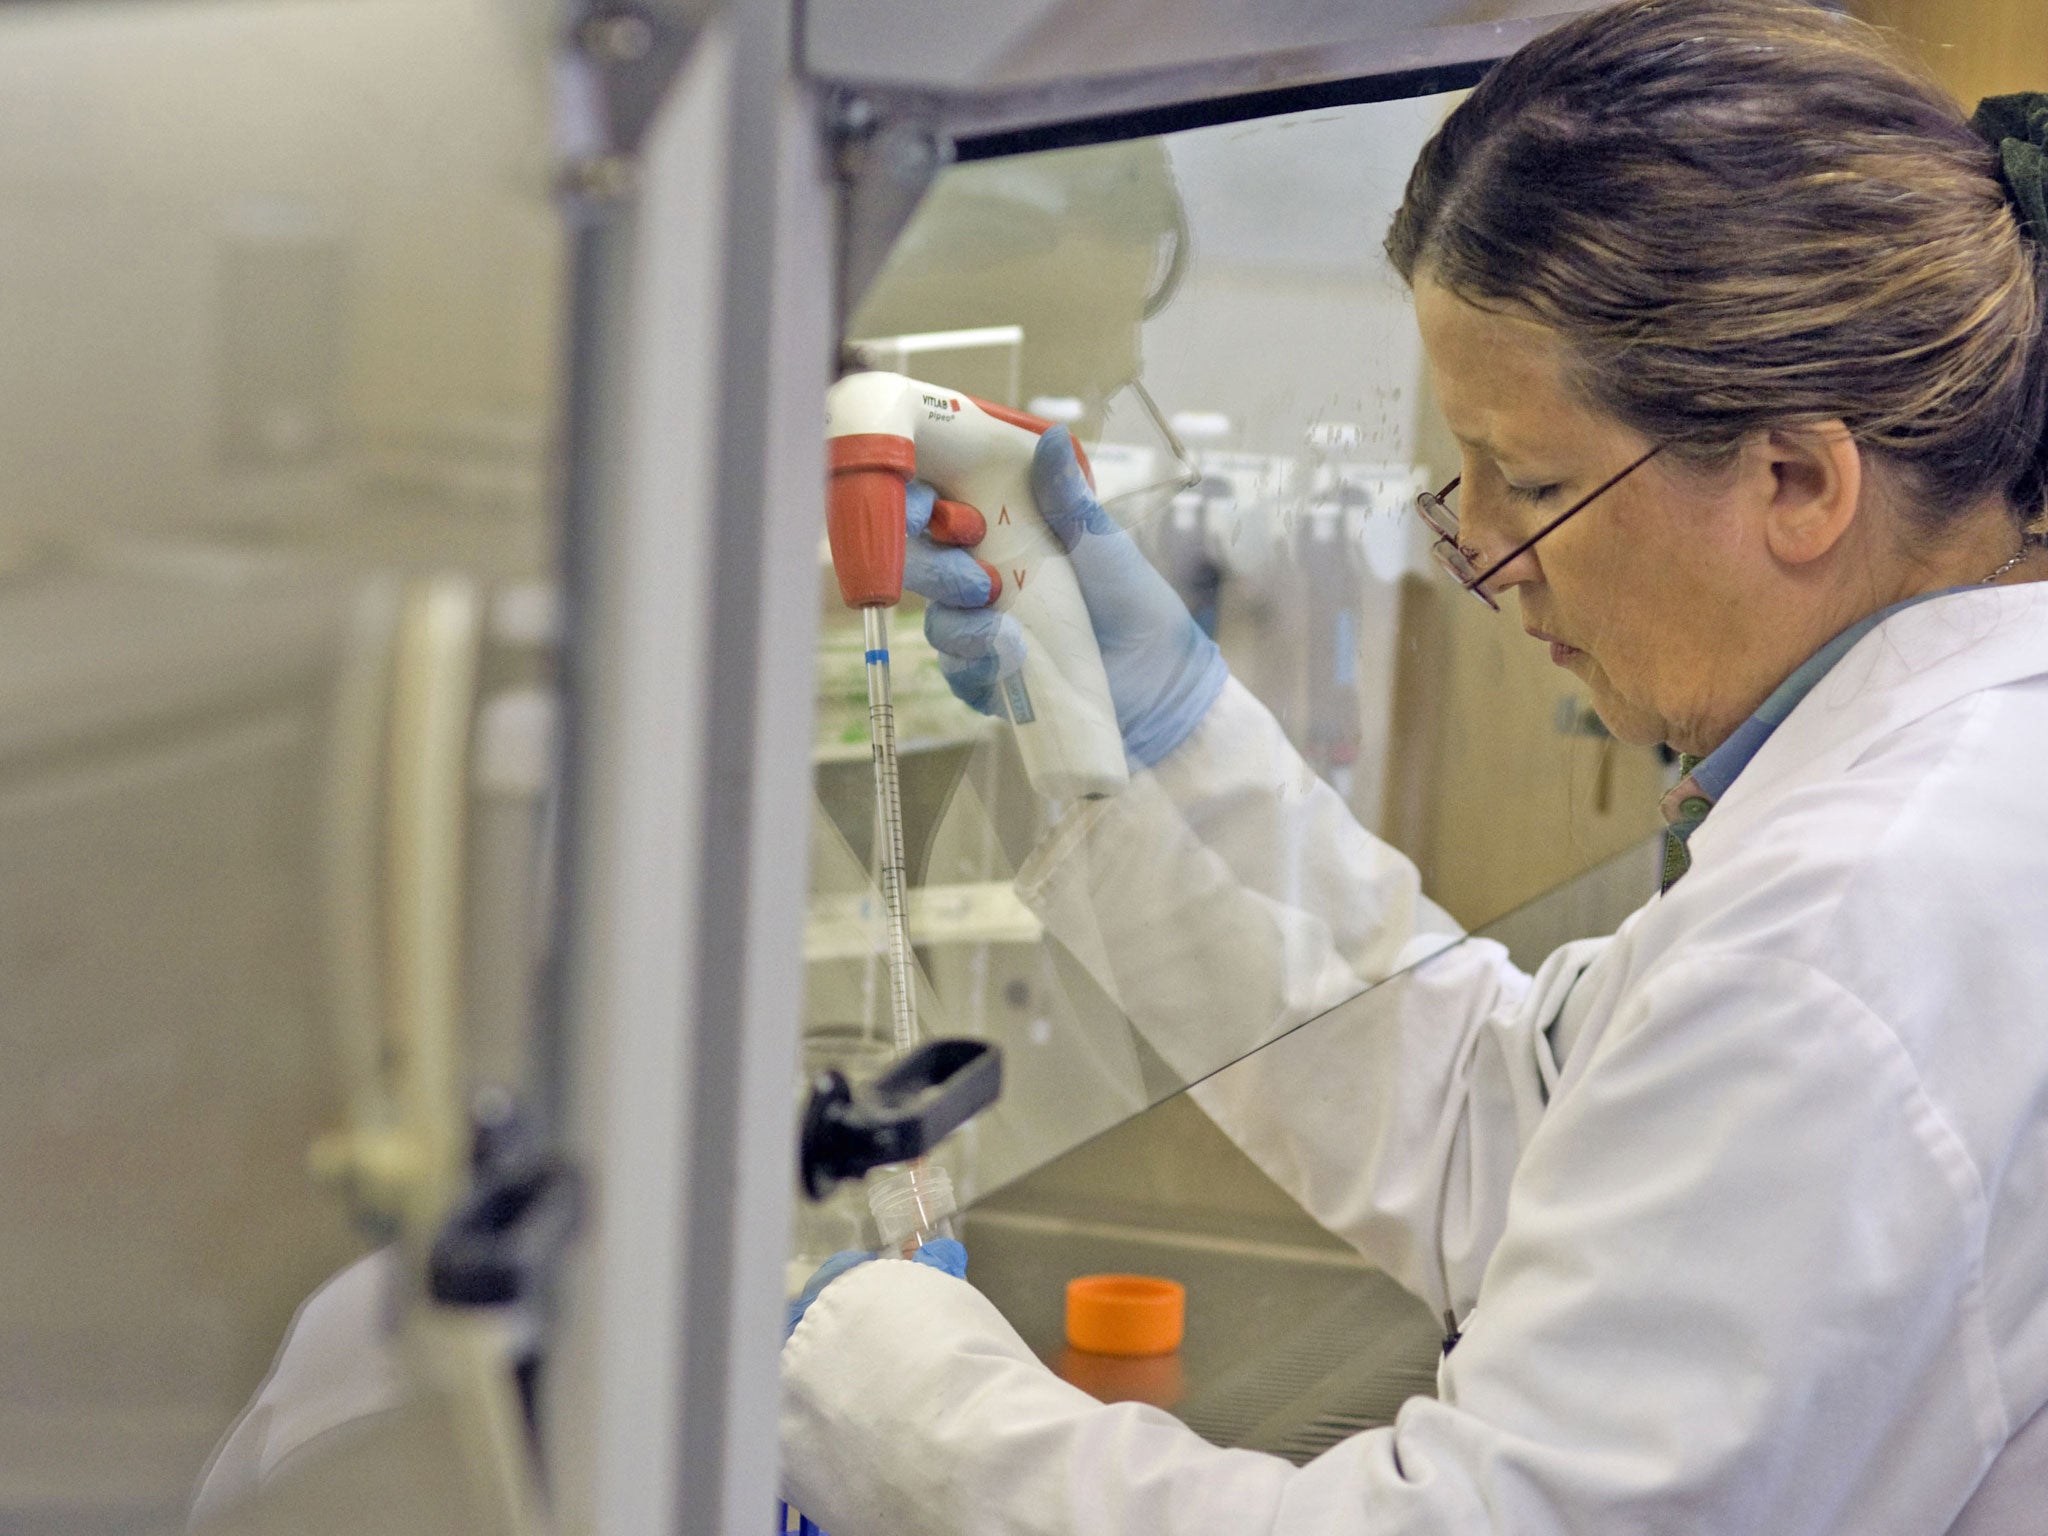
(1141, 464)
(1211, 314)
(275, 593)
(1137, 295)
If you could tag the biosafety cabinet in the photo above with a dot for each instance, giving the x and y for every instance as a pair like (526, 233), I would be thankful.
(434, 772)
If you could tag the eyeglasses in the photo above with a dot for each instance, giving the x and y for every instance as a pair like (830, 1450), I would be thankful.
(1435, 509)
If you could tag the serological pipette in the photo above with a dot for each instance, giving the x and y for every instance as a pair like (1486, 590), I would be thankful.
(889, 828)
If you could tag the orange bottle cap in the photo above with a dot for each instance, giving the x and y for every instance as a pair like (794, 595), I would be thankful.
(1126, 1314)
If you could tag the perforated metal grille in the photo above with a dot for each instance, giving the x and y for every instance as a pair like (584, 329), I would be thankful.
(1348, 1368)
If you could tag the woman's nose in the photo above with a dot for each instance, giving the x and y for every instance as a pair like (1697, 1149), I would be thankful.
(1485, 534)
(1520, 571)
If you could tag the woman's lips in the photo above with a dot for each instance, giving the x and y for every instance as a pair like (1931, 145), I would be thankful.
(1560, 653)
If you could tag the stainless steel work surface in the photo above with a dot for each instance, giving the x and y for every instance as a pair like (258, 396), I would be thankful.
(1289, 1348)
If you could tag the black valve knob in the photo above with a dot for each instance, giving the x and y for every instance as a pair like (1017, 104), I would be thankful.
(503, 1239)
(901, 1115)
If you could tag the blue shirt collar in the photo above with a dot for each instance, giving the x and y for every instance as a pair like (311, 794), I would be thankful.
(1707, 779)
(1721, 767)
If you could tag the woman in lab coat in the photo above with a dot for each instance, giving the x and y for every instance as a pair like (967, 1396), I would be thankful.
(1742, 1213)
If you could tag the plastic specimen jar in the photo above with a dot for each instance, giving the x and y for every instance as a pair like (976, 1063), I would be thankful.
(912, 1206)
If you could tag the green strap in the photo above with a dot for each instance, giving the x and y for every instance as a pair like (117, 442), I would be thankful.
(1677, 857)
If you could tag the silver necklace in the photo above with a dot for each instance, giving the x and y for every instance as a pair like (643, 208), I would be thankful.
(2018, 555)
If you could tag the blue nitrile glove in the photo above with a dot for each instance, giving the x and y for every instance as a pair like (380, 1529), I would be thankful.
(1164, 673)
(941, 1253)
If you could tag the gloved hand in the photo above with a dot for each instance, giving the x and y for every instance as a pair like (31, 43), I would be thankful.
(941, 1253)
(1164, 673)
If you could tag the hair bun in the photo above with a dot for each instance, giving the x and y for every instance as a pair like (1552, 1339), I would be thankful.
(2017, 128)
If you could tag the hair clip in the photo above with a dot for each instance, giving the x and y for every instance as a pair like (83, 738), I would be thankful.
(2016, 127)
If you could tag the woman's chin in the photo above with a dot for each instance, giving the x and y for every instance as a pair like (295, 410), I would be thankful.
(1625, 722)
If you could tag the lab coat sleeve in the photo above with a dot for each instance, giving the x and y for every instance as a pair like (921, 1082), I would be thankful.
(336, 1367)
(1229, 894)
(1739, 1290)
(910, 1405)
(1229, 897)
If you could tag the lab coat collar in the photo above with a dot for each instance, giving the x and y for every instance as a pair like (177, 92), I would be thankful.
(1704, 781)
(1713, 774)
(1918, 660)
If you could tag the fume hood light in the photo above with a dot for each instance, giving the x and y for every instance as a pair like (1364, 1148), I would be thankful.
(1063, 409)
(1201, 426)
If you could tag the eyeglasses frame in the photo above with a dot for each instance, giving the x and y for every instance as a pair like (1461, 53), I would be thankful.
(1451, 555)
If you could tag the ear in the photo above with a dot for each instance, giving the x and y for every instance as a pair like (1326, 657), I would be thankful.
(1813, 484)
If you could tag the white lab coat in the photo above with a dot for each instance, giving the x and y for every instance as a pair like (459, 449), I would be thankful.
(337, 1368)
(1744, 1210)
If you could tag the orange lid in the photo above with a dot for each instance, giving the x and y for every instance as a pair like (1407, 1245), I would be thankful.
(1126, 1314)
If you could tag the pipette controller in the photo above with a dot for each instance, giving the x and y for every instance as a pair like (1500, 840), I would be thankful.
(882, 429)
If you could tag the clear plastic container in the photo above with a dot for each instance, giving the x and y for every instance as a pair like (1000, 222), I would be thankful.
(912, 1205)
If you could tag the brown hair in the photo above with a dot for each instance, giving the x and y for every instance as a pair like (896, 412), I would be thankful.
(1745, 213)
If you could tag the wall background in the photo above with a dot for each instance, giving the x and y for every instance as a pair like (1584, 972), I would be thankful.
(1978, 47)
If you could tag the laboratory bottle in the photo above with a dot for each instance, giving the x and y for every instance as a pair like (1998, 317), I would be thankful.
(912, 1205)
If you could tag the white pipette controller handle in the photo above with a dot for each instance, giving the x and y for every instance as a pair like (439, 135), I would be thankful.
(882, 427)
